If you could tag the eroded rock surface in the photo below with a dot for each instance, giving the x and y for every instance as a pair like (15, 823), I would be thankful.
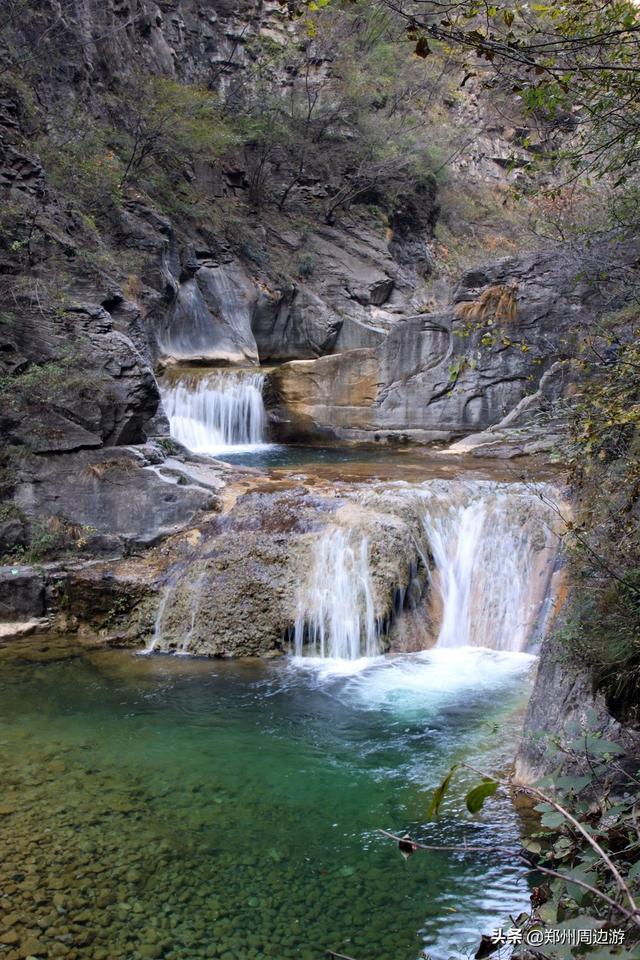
(563, 702)
(232, 585)
(461, 371)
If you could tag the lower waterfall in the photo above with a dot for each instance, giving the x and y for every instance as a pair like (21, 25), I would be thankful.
(490, 548)
(212, 412)
(336, 616)
(156, 636)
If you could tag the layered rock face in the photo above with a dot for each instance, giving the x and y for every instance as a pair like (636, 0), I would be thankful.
(233, 585)
(91, 304)
(488, 363)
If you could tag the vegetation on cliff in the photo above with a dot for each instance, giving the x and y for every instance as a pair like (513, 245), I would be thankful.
(603, 624)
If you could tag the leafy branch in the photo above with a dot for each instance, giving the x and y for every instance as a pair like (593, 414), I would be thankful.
(570, 831)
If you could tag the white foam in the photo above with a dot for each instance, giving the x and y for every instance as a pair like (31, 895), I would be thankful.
(419, 683)
(336, 616)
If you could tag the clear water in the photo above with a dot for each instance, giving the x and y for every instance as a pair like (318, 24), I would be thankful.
(286, 455)
(166, 807)
(279, 455)
(361, 462)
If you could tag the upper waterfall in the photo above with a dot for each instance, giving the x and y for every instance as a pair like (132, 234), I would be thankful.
(212, 412)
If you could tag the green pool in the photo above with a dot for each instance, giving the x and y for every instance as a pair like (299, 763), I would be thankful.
(166, 807)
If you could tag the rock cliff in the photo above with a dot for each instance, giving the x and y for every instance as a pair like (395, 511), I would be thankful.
(483, 366)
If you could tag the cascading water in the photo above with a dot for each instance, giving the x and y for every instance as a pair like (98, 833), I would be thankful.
(492, 548)
(156, 637)
(492, 545)
(336, 616)
(213, 412)
(195, 594)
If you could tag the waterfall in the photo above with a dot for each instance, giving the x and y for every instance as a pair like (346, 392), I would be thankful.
(156, 636)
(492, 546)
(210, 413)
(336, 616)
(195, 596)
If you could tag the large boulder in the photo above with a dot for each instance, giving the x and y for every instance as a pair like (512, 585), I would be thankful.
(235, 585)
(331, 396)
(109, 500)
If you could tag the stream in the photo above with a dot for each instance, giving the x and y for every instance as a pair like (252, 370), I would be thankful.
(181, 808)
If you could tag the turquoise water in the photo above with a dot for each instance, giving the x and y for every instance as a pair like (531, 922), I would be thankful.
(291, 455)
(166, 807)
(359, 463)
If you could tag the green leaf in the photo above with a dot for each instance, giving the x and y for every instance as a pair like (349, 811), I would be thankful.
(634, 872)
(552, 819)
(439, 794)
(601, 747)
(548, 912)
(587, 743)
(582, 922)
(532, 846)
(509, 17)
(575, 892)
(563, 845)
(477, 796)
(573, 783)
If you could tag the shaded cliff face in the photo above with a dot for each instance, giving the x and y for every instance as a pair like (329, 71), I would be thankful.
(564, 701)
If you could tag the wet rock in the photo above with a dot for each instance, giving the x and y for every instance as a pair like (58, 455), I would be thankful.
(247, 574)
(212, 316)
(413, 219)
(324, 398)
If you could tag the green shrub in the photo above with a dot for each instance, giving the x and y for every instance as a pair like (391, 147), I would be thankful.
(306, 265)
